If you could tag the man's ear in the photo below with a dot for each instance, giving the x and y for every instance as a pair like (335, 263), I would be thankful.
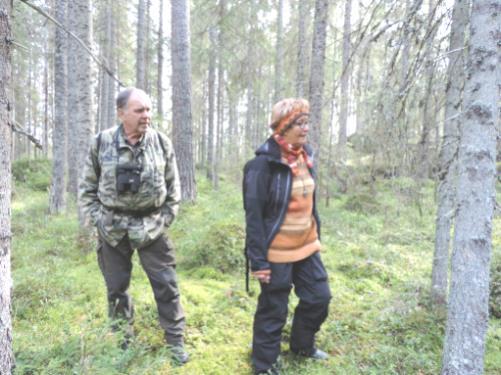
(120, 113)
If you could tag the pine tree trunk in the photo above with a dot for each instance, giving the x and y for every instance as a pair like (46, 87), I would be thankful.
(6, 352)
(301, 49)
(141, 46)
(317, 73)
(448, 164)
(83, 87)
(181, 98)
(345, 80)
(160, 61)
(468, 312)
(279, 53)
(57, 198)
(211, 110)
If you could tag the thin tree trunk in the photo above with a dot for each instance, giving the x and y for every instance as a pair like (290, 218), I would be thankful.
(423, 170)
(448, 154)
(345, 80)
(181, 97)
(468, 310)
(141, 45)
(301, 49)
(211, 97)
(317, 73)
(57, 198)
(279, 53)
(160, 58)
(6, 352)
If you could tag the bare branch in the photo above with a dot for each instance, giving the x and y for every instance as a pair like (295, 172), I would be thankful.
(85, 47)
(16, 127)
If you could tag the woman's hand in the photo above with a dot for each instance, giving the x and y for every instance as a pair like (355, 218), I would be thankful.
(263, 276)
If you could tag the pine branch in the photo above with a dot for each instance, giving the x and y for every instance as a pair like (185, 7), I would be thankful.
(85, 47)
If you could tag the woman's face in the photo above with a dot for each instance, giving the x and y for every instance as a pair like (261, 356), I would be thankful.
(297, 133)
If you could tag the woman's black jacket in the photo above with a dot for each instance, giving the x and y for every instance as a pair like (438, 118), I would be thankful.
(267, 186)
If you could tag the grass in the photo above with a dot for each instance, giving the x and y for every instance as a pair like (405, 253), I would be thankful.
(379, 264)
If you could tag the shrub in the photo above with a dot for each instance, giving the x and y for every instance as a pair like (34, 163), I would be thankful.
(362, 202)
(34, 173)
(220, 248)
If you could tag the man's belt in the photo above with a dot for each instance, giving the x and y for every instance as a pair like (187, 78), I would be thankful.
(134, 213)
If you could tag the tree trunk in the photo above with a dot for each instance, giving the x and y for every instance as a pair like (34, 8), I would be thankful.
(448, 164)
(57, 199)
(80, 105)
(6, 353)
(423, 169)
(317, 73)
(141, 46)
(301, 48)
(279, 53)
(160, 61)
(345, 80)
(211, 98)
(469, 294)
(181, 98)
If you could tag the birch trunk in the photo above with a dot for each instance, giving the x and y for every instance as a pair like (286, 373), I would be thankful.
(468, 312)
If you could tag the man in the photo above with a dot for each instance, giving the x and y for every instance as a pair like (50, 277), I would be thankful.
(130, 191)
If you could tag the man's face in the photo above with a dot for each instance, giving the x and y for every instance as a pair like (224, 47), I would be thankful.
(136, 115)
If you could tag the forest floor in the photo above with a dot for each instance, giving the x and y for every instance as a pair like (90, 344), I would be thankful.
(378, 249)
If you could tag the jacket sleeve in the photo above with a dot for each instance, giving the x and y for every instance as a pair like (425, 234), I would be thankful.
(172, 184)
(88, 200)
(256, 181)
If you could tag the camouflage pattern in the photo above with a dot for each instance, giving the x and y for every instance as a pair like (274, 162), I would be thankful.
(159, 189)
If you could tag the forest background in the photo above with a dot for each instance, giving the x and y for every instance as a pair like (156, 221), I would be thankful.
(390, 91)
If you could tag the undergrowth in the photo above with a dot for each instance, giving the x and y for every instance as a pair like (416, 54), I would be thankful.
(379, 264)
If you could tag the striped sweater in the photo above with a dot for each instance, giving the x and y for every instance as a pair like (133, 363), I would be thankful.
(297, 238)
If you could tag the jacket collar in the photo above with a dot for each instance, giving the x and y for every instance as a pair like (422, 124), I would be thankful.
(271, 149)
(123, 143)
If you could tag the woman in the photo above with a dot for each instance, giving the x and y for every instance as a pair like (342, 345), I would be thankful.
(283, 238)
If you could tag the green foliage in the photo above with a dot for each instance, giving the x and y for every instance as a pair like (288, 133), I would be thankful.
(33, 173)
(380, 320)
(221, 248)
(362, 202)
(495, 288)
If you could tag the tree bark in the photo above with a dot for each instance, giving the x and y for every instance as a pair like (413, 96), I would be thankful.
(279, 53)
(301, 48)
(211, 98)
(6, 352)
(469, 294)
(345, 80)
(141, 46)
(317, 73)
(160, 61)
(181, 97)
(57, 195)
(448, 154)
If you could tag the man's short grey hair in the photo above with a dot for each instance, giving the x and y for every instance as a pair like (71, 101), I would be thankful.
(123, 97)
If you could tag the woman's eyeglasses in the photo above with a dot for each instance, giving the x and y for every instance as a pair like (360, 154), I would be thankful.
(302, 124)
